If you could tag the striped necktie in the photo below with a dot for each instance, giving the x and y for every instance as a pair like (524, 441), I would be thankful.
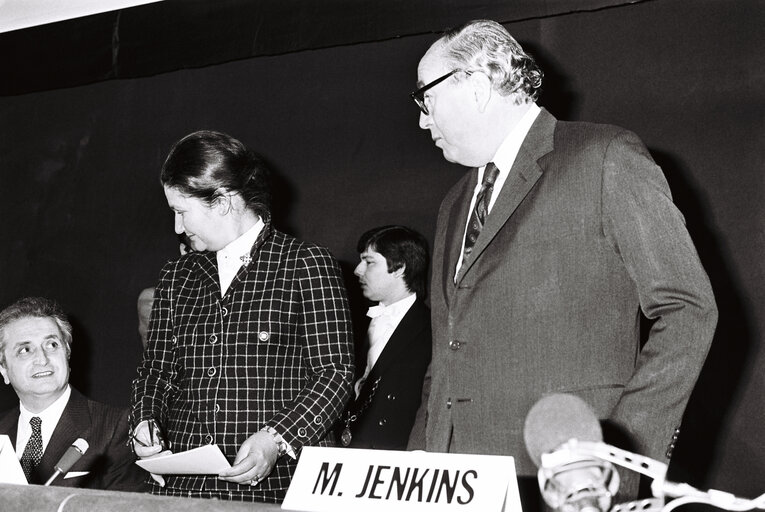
(481, 208)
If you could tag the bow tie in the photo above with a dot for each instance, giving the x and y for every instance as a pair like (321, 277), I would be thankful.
(376, 311)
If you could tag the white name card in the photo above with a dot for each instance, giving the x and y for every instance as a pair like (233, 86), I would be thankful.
(349, 479)
(10, 469)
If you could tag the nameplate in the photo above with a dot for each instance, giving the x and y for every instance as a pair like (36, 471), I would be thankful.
(349, 479)
(10, 469)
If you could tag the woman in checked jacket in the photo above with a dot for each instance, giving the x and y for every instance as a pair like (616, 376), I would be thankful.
(250, 343)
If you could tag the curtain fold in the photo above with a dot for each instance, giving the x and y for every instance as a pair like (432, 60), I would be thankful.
(176, 34)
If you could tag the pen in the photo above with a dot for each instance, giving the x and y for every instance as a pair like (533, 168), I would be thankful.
(154, 435)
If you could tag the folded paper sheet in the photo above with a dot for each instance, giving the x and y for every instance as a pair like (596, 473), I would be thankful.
(205, 460)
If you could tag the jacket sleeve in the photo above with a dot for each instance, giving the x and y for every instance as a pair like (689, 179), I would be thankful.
(156, 381)
(326, 334)
(118, 472)
(648, 232)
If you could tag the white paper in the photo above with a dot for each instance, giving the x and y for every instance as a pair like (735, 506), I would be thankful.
(205, 460)
(10, 469)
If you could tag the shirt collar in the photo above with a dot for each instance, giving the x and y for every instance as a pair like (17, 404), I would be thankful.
(508, 150)
(398, 308)
(52, 413)
(242, 245)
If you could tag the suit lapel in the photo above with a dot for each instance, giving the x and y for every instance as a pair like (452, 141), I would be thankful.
(74, 423)
(208, 265)
(409, 327)
(455, 232)
(255, 254)
(521, 179)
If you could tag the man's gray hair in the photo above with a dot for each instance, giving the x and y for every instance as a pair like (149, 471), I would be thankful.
(485, 46)
(35, 307)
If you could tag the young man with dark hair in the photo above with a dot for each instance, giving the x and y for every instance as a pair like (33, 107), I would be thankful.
(392, 273)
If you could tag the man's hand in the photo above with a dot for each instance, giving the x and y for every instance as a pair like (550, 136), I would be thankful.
(254, 461)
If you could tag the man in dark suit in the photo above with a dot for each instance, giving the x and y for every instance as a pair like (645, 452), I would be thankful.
(392, 272)
(544, 256)
(35, 340)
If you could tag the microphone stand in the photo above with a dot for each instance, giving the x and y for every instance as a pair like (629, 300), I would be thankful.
(53, 477)
(680, 494)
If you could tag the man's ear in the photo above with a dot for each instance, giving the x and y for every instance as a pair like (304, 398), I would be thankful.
(4, 371)
(482, 90)
(400, 271)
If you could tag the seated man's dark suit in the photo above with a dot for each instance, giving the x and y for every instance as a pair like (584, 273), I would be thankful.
(396, 380)
(108, 461)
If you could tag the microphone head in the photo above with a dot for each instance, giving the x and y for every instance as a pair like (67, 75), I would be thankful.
(555, 419)
(81, 445)
(72, 455)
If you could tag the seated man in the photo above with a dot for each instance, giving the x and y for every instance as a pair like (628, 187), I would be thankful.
(145, 302)
(35, 340)
(392, 272)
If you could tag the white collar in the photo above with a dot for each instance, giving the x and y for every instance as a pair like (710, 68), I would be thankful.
(398, 308)
(50, 413)
(507, 152)
(235, 254)
(49, 417)
(242, 245)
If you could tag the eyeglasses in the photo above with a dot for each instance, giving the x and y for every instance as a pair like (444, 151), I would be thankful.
(419, 95)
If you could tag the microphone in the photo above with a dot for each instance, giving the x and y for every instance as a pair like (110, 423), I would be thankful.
(569, 481)
(71, 455)
(576, 471)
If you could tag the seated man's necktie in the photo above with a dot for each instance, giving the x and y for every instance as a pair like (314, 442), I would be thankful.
(33, 451)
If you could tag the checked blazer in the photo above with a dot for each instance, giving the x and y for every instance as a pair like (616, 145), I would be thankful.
(275, 351)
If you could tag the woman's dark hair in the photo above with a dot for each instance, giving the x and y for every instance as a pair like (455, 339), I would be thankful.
(207, 164)
(401, 247)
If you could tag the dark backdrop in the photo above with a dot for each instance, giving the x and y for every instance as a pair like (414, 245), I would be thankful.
(83, 218)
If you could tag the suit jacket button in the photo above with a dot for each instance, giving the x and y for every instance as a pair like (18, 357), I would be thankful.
(263, 336)
(211, 371)
(382, 422)
(391, 396)
(454, 345)
(448, 403)
(209, 439)
(213, 339)
(302, 432)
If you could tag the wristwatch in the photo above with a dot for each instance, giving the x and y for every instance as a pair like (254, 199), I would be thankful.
(281, 444)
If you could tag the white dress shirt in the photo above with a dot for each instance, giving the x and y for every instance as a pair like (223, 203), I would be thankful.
(230, 258)
(49, 418)
(504, 159)
(385, 319)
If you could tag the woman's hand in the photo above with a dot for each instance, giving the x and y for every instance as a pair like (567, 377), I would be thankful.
(254, 461)
(147, 444)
